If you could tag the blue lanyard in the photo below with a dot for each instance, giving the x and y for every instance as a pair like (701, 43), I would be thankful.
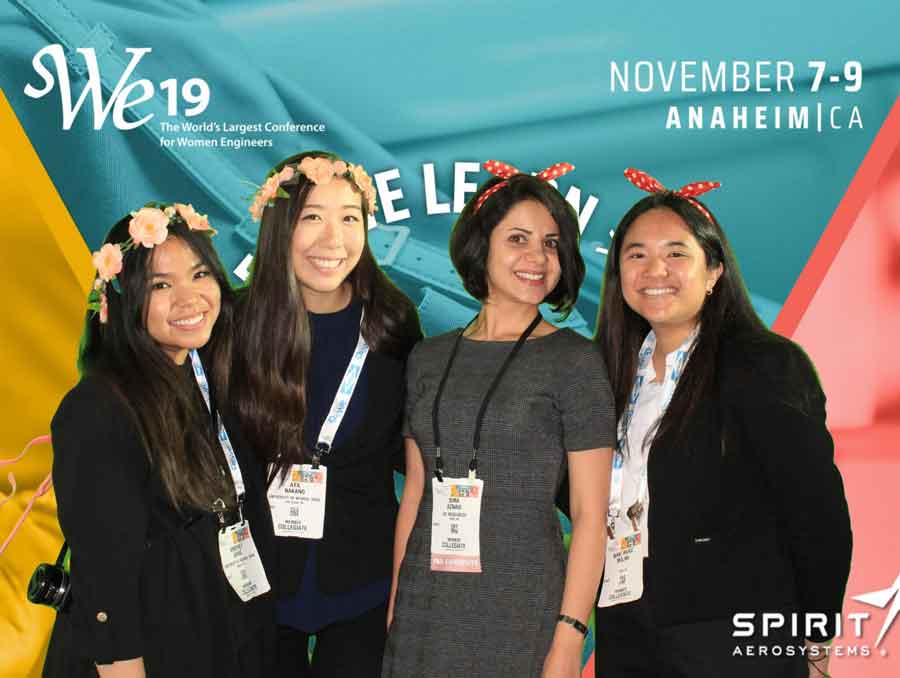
(224, 442)
(670, 381)
(341, 401)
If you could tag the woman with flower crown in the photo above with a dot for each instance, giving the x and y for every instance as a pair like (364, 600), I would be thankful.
(322, 339)
(159, 501)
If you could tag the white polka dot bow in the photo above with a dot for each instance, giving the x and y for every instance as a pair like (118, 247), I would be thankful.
(689, 191)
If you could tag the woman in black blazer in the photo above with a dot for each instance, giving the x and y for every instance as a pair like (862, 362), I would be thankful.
(728, 500)
(152, 505)
(322, 342)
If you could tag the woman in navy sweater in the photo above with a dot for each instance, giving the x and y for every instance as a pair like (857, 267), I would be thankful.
(322, 342)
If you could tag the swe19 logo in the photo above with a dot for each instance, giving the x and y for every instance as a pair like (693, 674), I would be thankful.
(194, 92)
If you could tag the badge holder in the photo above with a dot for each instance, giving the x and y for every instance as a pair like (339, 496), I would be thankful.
(456, 524)
(623, 575)
(297, 500)
(240, 560)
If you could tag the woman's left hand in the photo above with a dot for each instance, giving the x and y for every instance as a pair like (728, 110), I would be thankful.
(817, 658)
(589, 473)
(563, 660)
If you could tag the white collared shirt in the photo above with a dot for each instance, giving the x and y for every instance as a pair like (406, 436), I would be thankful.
(649, 408)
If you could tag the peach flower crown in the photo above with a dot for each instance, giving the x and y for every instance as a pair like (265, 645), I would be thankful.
(318, 170)
(149, 227)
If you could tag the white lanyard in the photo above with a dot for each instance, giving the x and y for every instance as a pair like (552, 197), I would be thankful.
(297, 499)
(240, 559)
(341, 400)
(224, 442)
(670, 381)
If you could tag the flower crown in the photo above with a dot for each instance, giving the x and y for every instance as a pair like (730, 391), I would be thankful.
(149, 227)
(319, 171)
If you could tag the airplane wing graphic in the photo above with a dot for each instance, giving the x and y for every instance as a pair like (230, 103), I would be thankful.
(881, 599)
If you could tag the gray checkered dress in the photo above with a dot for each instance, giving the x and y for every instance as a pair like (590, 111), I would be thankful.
(554, 398)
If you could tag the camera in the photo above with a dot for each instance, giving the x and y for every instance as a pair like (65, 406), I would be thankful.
(51, 584)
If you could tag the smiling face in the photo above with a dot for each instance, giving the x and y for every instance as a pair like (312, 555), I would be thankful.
(327, 243)
(183, 300)
(523, 259)
(664, 272)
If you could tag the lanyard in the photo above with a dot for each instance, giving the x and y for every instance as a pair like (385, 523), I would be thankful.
(473, 464)
(341, 400)
(224, 442)
(670, 381)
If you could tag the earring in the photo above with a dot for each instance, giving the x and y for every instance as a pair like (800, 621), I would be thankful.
(709, 292)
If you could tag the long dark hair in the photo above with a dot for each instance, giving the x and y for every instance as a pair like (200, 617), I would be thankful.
(726, 312)
(273, 341)
(178, 432)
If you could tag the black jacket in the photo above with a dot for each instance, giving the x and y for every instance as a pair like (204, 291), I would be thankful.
(360, 506)
(153, 573)
(747, 509)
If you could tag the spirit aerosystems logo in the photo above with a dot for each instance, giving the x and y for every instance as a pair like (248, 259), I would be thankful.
(189, 98)
(851, 630)
(881, 599)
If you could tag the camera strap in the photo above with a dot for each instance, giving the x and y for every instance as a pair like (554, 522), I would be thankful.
(64, 558)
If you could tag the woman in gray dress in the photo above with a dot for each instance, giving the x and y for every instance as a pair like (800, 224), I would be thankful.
(495, 415)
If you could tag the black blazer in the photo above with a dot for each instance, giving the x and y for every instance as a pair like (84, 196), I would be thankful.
(747, 510)
(146, 579)
(360, 507)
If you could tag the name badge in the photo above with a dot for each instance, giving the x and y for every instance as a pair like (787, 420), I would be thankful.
(298, 502)
(456, 525)
(623, 576)
(241, 563)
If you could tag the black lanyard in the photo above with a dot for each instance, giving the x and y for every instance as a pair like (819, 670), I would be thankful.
(473, 464)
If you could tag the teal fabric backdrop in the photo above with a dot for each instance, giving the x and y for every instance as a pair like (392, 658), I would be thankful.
(399, 84)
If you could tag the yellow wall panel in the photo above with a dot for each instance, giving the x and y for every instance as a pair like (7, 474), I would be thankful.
(44, 276)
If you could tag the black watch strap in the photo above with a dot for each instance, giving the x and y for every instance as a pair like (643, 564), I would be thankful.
(566, 619)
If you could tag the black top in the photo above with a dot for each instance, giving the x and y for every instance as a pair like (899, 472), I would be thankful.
(748, 511)
(155, 574)
(356, 548)
(334, 339)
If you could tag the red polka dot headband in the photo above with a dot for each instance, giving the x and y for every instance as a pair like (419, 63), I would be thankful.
(505, 171)
(647, 183)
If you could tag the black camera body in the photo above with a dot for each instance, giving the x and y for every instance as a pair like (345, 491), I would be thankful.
(51, 584)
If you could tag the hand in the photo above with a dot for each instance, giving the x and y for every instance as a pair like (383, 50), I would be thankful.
(564, 658)
(562, 663)
(817, 658)
(129, 668)
(391, 600)
(390, 611)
